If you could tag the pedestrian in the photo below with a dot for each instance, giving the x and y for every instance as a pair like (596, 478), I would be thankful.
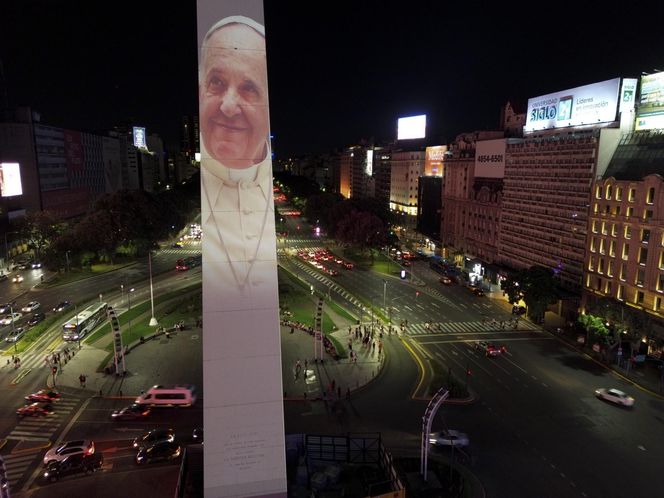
(349, 329)
(81, 380)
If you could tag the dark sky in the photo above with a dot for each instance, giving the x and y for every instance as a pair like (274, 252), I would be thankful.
(339, 70)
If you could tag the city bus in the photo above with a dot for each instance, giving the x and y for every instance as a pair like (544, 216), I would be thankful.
(84, 322)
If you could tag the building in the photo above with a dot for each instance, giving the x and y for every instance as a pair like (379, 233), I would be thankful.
(406, 168)
(429, 204)
(189, 136)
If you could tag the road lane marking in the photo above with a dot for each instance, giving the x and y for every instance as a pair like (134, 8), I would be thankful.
(641, 447)
(435, 305)
(544, 384)
(409, 309)
(517, 366)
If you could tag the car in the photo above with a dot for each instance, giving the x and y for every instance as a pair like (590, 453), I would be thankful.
(159, 451)
(449, 437)
(445, 280)
(489, 348)
(62, 451)
(17, 278)
(73, 464)
(176, 245)
(477, 291)
(197, 435)
(62, 306)
(15, 334)
(153, 436)
(518, 310)
(10, 318)
(180, 265)
(22, 265)
(36, 318)
(35, 265)
(131, 412)
(30, 307)
(348, 266)
(43, 396)
(7, 307)
(35, 410)
(614, 396)
(3, 277)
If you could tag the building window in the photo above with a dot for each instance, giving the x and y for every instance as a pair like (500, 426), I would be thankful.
(643, 256)
(660, 265)
(591, 264)
(660, 282)
(625, 251)
(596, 208)
(622, 271)
(607, 287)
(593, 247)
(607, 209)
(608, 192)
(600, 265)
(602, 246)
(604, 232)
(647, 214)
(612, 248)
(594, 229)
(609, 268)
(617, 211)
(598, 192)
(621, 293)
(598, 284)
(628, 232)
(650, 196)
(639, 297)
(619, 193)
(631, 197)
(630, 211)
(657, 303)
(640, 277)
(645, 235)
(614, 230)
(588, 280)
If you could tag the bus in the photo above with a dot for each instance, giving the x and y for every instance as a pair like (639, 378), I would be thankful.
(84, 322)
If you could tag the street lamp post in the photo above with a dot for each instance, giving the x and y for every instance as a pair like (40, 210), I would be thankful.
(384, 292)
(67, 259)
(11, 314)
(153, 320)
(121, 293)
(129, 308)
(78, 332)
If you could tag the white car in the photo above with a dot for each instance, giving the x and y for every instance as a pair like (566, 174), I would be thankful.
(15, 334)
(614, 396)
(30, 307)
(10, 318)
(449, 438)
(80, 447)
(17, 279)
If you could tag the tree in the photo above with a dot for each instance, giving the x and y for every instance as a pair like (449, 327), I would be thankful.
(536, 286)
(361, 229)
(39, 229)
(595, 327)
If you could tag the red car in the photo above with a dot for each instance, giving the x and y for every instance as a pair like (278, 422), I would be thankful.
(180, 265)
(43, 396)
(35, 410)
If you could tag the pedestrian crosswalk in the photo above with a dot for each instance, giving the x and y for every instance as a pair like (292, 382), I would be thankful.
(34, 432)
(466, 327)
(184, 251)
(330, 284)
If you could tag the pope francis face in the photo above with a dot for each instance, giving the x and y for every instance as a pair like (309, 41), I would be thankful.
(233, 96)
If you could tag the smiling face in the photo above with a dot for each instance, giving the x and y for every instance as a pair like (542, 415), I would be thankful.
(233, 96)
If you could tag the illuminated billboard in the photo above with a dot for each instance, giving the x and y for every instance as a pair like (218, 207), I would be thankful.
(433, 160)
(369, 169)
(650, 113)
(10, 180)
(585, 105)
(139, 137)
(412, 127)
(490, 158)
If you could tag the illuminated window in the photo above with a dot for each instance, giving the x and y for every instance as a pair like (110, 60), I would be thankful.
(598, 192)
(593, 242)
(660, 282)
(625, 251)
(607, 287)
(631, 197)
(604, 232)
(657, 303)
(609, 268)
(619, 193)
(594, 226)
(614, 230)
(630, 211)
(617, 211)
(596, 208)
(622, 271)
(650, 196)
(598, 284)
(621, 292)
(647, 214)
(661, 260)
(645, 235)
(643, 255)
(612, 248)
(608, 192)
(628, 232)
(588, 280)
(640, 277)
(602, 246)
(607, 209)
(639, 297)
(591, 264)
(600, 265)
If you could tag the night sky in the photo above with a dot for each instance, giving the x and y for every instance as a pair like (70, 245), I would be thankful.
(339, 71)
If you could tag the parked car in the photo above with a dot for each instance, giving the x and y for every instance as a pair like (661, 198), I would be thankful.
(131, 412)
(35, 410)
(449, 438)
(73, 464)
(15, 334)
(159, 451)
(43, 396)
(36, 318)
(10, 318)
(614, 396)
(154, 436)
(197, 435)
(17, 278)
(62, 306)
(30, 307)
(68, 448)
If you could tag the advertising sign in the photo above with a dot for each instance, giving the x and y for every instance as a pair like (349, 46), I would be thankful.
(369, 168)
(411, 127)
(585, 105)
(650, 112)
(627, 94)
(490, 158)
(243, 403)
(10, 180)
(139, 137)
(433, 160)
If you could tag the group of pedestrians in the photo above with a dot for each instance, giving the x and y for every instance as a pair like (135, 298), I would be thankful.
(512, 323)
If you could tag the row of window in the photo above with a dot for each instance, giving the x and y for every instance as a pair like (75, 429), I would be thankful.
(603, 227)
(639, 278)
(646, 215)
(631, 193)
(642, 256)
(605, 286)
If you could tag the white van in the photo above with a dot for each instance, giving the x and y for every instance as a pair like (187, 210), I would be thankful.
(173, 395)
